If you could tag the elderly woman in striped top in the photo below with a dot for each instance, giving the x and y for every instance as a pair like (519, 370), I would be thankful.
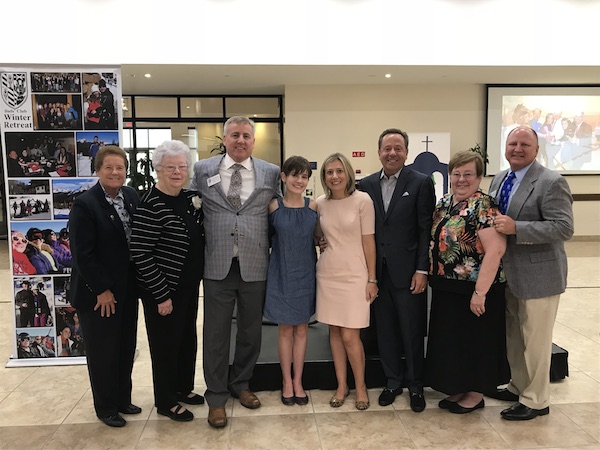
(167, 246)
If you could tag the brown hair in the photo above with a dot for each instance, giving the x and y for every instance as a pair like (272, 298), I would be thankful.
(465, 157)
(109, 150)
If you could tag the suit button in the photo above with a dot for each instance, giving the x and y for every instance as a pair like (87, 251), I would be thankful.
(232, 234)
(237, 214)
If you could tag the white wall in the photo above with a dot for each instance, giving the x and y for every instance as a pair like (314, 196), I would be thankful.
(320, 120)
(380, 32)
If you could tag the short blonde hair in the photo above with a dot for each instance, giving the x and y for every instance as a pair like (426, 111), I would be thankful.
(350, 177)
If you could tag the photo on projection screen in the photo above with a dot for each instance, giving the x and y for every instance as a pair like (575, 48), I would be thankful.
(566, 119)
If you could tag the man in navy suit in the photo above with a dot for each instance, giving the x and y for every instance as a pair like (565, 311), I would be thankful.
(404, 200)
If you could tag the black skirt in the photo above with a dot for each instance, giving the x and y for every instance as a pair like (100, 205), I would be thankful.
(465, 352)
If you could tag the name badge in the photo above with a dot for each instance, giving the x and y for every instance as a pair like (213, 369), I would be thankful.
(213, 180)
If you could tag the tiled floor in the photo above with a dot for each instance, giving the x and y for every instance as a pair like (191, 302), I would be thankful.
(51, 407)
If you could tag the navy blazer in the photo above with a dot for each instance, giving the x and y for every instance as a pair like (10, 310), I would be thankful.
(99, 247)
(402, 234)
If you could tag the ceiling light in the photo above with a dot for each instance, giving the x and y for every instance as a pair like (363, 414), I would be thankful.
(148, 75)
(388, 75)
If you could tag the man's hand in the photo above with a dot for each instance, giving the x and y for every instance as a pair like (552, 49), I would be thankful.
(106, 302)
(418, 284)
(505, 224)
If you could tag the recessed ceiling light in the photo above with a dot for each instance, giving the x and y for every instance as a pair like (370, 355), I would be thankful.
(187, 107)
(255, 115)
(148, 75)
(388, 75)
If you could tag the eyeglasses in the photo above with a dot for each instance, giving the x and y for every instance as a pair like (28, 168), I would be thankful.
(36, 238)
(466, 176)
(17, 239)
(171, 169)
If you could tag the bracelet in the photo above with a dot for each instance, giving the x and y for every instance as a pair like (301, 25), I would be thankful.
(478, 294)
(372, 280)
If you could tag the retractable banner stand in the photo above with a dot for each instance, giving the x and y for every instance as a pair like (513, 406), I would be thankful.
(53, 122)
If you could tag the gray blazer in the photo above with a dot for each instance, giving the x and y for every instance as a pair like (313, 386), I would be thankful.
(220, 219)
(535, 262)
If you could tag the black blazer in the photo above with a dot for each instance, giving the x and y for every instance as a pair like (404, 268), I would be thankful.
(99, 247)
(402, 234)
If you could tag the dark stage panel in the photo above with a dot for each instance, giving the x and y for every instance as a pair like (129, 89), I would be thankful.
(319, 372)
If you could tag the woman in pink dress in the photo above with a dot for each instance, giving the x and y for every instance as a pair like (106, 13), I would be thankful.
(346, 283)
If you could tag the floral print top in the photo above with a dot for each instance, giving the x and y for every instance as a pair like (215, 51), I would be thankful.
(455, 251)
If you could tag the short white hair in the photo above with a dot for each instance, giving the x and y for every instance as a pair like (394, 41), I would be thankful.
(171, 148)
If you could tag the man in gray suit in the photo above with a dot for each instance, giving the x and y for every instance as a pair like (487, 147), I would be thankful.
(236, 190)
(537, 219)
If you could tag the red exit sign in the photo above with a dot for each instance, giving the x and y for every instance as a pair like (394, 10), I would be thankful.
(358, 154)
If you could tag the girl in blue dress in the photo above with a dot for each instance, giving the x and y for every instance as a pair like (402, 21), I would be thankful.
(291, 280)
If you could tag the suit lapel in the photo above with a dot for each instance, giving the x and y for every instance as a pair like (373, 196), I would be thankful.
(213, 170)
(259, 181)
(375, 187)
(523, 191)
(109, 211)
(399, 191)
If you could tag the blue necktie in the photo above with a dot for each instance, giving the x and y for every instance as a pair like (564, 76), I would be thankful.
(505, 192)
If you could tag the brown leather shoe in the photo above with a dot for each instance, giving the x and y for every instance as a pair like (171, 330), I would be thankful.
(249, 400)
(217, 417)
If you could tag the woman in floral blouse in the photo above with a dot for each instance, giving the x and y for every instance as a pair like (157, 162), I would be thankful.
(466, 351)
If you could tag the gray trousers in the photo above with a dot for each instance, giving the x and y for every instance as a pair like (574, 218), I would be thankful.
(220, 297)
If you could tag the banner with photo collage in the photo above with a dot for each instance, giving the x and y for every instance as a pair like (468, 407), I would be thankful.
(53, 123)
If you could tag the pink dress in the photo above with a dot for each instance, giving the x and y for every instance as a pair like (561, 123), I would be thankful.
(341, 269)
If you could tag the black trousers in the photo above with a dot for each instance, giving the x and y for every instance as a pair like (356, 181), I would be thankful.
(173, 345)
(401, 322)
(110, 348)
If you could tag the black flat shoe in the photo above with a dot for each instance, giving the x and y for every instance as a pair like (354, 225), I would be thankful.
(504, 395)
(458, 409)
(301, 400)
(130, 409)
(185, 416)
(446, 404)
(196, 399)
(388, 396)
(288, 401)
(114, 421)
(417, 401)
(519, 411)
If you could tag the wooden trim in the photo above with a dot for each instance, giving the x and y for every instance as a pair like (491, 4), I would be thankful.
(586, 197)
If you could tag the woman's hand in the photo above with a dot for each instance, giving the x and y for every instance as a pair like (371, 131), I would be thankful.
(477, 304)
(165, 308)
(372, 291)
(106, 302)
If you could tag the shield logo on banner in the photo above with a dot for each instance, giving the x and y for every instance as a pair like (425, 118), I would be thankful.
(14, 88)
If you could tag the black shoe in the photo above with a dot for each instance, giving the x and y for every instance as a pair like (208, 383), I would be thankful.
(458, 409)
(197, 399)
(301, 400)
(288, 401)
(446, 404)
(417, 401)
(519, 411)
(113, 421)
(185, 416)
(130, 409)
(504, 395)
(388, 396)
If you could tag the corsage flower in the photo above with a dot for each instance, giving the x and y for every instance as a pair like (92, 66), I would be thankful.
(197, 202)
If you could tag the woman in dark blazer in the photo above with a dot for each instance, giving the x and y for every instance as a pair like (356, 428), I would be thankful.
(103, 285)
(167, 245)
